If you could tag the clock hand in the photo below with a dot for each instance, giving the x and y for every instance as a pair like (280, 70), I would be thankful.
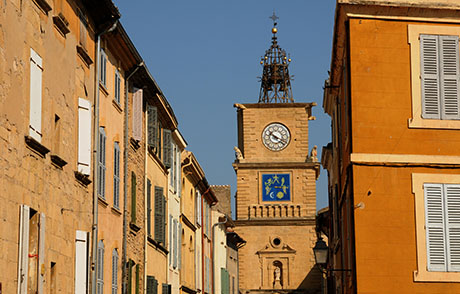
(281, 139)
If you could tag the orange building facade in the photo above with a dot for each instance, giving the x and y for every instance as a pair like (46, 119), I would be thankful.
(393, 165)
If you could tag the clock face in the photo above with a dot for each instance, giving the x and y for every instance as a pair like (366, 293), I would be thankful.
(276, 136)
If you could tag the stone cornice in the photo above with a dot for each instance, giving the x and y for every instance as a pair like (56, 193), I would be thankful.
(276, 222)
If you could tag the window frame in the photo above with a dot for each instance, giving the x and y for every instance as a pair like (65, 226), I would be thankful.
(422, 274)
(414, 32)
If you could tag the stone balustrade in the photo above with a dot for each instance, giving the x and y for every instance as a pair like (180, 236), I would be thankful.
(274, 210)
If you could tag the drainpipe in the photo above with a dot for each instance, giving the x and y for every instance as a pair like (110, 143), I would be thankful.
(125, 183)
(212, 250)
(145, 202)
(95, 157)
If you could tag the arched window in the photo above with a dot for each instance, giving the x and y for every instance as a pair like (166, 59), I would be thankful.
(114, 271)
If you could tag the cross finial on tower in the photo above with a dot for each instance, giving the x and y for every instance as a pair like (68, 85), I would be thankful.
(274, 17)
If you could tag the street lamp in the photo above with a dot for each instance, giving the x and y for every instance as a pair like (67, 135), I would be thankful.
(321, 251)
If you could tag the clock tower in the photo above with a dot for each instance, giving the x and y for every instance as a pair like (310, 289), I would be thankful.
(276, 185)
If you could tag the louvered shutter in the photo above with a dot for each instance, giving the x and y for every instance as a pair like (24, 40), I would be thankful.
(114, 271)
(81, 261)
(117, 86)
(165, 288)
(133, 197)
(159, 215)
(225, 281)
(179, 249)
(84, 136)
(100, 267)
(152, 119)
(149, 208)
(23, 262)
(452, 218)
(130, 276)
(41, 251)
(137, 278)
(35, 119)
(116, 176)
(449, 65)
(167, 148)
(101, 163)
(435, 235)
(175, 244)
(137, 114)
(429, 61)
(103, 67)
(170, 226)
(151, 285)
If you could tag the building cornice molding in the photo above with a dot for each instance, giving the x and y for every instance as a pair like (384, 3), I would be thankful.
(405, 159)
(304, 221)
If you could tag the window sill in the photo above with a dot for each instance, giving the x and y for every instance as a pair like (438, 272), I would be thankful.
(158, 160)
(103, 89)
(58, 161)
(117, 106)
(36, 146)
(102, 201)
(82, 178)
(157, 245)
(61, 24)
(43, 5)
(421, 123)
(116, 211)
(134, 227)
(426, 276)
(84, 55)
(134, 143)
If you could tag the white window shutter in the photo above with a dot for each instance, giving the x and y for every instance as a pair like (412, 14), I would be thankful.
(435, 232)
(175, 244)
(452, 218)
(41, 253)
(429, 62)
(179, 249)
(449, 65)
(23, 262)
(114, 271)
(36, 72)
(81, 262)
(137, 114)
(100, 267)
(84, 136)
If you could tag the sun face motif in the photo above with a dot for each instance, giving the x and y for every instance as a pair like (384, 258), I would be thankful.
(276, 136)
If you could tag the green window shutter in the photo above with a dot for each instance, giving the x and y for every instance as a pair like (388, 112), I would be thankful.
(170, 241)
(152, 119)
(101, 163)
(225, 281)
(159, 215)
(429, 62)
(452, 218)
(449, 65)
(130, 275)
(116, 175)
(137, 278)
(167, 148)
(165, 288)
(149, 208)
(152, 285)
(435, 233)
(133, 197)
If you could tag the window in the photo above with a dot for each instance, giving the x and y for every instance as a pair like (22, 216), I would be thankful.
(149, 208)
(175, 243)
(180, 233)
(83, 29)
(114, 271)
(116, 175)
(101, 163)
(167, 148)
(81, 262)
(100, 267)
(84, 136)
(35, 119)
(437, 220)
(434, 76)
(117, 87)
(198, 208)
(439, 66)
(133, 197)
(103, 68)
(170, 240)
(31, 243)
(152, 285)
(137, 114)
(160, 214)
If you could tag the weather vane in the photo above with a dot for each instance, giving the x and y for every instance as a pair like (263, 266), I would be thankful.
(275, 86)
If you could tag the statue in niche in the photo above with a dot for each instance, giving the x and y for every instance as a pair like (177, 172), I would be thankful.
(277, 275)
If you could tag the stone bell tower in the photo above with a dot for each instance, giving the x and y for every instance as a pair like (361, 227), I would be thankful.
(276, 185)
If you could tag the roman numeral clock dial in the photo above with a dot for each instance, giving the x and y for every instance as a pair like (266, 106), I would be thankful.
(276, 136)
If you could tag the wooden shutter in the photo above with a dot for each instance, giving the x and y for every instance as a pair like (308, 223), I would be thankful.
(114, 271)
(100, 267)
(179, 249)
(36, 72)
(130, 276)
(103, 67)
(452, 218)
(175, 244)
(449, 65)
(429, 62)
(84, 136)
(165, 288)
(81, 262)
(435, 234)
(137, 278)
(137, 114)
(170, 226)
(159, 215)
(117, 86)
(167, 148)
(101, 163)
(225, 281)
(152, 285)
(152, 119)
(149, 208)
(133, 197)
(116, 175)
(41, 252)
(23, 262)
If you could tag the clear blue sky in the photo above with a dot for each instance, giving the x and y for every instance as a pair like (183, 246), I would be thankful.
(205, 57)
